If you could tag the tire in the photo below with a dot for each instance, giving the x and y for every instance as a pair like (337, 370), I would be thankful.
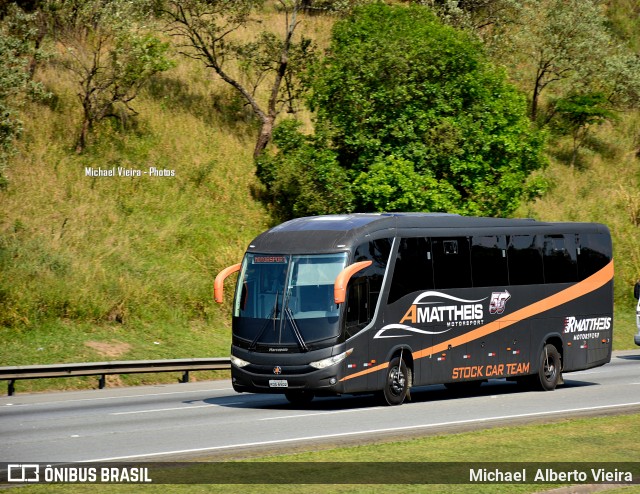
(549, 369)
(301, 397)
(396, 385)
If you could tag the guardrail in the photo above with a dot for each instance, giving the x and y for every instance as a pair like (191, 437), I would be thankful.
(103, 369)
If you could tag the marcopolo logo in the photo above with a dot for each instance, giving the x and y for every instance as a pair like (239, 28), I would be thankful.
(440, 309)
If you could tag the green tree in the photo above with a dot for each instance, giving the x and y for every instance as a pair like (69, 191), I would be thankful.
(112, 55)
(566, 44)
(482, 16)
(418, 118)
(577, 113)
(304, 177)
(206, 31)
(16, 55)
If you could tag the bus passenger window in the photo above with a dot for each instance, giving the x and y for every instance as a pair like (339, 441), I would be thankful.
(594, 253)
(525, 260)
(560, 263)
(489, 261)
(413, 269)
(451, 262)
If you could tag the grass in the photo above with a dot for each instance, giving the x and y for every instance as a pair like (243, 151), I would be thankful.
(586, 441)
(126, 259)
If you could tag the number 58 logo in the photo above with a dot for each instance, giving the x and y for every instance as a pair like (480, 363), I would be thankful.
(498, 302)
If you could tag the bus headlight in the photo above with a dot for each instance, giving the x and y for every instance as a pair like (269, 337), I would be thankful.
(327, 362)
(238, 362)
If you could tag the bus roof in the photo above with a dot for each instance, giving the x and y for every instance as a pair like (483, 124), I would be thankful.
(335, 233)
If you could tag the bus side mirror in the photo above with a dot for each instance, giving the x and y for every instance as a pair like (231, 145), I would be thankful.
(218, 284)
(636, 290)
(342, 280)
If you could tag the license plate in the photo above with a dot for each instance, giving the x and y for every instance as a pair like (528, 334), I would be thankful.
(278, 383)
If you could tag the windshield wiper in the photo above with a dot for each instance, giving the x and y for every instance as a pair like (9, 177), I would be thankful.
(273, 317)
(296, 331)
(294, 325)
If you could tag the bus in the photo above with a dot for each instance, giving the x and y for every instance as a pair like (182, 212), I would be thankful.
(381, 303)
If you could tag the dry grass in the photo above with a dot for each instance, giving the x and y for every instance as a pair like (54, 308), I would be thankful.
(126, 252)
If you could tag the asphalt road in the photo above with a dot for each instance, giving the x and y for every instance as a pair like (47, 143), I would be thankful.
(208, 419)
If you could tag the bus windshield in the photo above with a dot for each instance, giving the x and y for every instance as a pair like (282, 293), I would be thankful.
(287, 301)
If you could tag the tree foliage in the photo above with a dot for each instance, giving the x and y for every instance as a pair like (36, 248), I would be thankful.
(485, 17)
(417, 118)
(304, 178)
(204, 30)
(111, 54)
(17, 51)
(577, 113)
(567, 44)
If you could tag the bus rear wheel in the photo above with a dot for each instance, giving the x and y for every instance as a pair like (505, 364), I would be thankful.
(396, 386)
(549, 369)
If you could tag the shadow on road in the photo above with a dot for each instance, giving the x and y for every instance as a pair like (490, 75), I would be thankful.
(420, 394)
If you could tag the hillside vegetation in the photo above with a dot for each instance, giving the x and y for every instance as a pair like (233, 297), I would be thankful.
(118, 268)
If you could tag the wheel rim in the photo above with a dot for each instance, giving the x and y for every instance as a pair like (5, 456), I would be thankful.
(397, 381)
(549, 369)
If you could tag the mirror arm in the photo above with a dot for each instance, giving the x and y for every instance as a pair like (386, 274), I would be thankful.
(218, 284)
(340, 285)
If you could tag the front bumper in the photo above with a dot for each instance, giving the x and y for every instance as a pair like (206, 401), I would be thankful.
(636, 338)
(321, 381)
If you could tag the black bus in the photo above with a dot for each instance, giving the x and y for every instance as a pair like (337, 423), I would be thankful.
(378, 303)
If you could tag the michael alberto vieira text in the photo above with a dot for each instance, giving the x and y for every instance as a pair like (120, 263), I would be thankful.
(591, 475)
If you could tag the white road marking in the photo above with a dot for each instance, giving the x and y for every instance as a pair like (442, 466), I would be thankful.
(118, 397)
(302, 415)
(360, 433)
(174, 408)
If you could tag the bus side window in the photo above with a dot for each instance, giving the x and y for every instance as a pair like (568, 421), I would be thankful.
(358, 306)
(365, 286)
(489, 261)
(451, 262)
(525, 260)
(594, 253)
(413, 270)
(559, 258)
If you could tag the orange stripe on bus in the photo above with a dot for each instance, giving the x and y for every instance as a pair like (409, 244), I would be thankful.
(367, 371)
(587, 285)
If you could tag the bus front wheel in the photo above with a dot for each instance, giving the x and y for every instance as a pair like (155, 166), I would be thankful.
(396, 386)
